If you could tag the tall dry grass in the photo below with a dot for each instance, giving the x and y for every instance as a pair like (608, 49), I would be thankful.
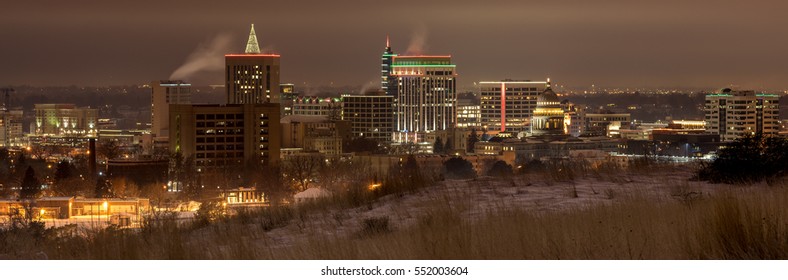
(740, 223)
(729, 225)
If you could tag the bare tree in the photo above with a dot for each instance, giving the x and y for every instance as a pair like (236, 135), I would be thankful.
(301, 169)
(339, 173)
(109, 149)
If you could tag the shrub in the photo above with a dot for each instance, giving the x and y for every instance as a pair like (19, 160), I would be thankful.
(748, 159)
(458, 168)
(500, 169)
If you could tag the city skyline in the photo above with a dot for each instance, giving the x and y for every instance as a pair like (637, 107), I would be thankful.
(616, 43)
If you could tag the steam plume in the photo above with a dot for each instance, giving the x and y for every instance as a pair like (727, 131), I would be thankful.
(418, 42)
(207, 57)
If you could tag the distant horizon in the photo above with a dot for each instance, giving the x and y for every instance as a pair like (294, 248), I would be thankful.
(357, 88)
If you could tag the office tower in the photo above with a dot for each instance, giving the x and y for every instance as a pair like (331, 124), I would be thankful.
(733, 114)
(10, 127)
(507, 106)
(388, 83)
(468, 112)
(252, 77)
(164, 93)
(225, 135)
(65, 120)
(371, 115)
(426, 96)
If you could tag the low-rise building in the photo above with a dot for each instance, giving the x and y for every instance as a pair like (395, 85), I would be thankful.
(318, 133)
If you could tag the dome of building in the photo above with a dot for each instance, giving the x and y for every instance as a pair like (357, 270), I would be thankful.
(547, 96)
(548, 117)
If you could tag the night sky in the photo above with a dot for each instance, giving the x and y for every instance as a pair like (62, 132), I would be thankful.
(576, 43)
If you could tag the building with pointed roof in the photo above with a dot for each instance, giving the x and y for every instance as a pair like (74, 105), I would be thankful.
(388, 83)
(252, 77)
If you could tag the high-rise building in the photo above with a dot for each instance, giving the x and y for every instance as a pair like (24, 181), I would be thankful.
(508, 105)
(288, 94)
(426, 96)
(65, 120)
(252, 77)
(10, 128)
(388, 83)
(733, 114)
(371, 115)
(164, 93)
(225, 135)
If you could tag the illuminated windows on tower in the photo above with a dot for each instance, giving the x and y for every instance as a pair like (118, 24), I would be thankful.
(252, 77)
(426, 98)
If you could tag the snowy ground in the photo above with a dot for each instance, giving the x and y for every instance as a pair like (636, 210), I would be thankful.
(473, 199)
(470, 199)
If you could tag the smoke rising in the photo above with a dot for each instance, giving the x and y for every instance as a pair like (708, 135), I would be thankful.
(418, 42)
(371, 85)
(207, 57)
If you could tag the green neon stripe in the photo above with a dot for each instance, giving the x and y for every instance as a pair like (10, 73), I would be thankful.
(426, 65)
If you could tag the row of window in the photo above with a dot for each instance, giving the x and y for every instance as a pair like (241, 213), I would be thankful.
(219, 139)
(239, 147)
(220, 116)
(236, 131)
(510, 90)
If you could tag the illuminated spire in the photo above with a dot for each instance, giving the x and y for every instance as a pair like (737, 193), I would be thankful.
(387, 42)
(251, 45)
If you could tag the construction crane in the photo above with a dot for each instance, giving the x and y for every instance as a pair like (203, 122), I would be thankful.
(6, 116)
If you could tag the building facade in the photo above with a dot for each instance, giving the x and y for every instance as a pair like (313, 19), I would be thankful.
(317, 106)
(11, 128)
(163, 93)
(65, 120)
(287, 95)
(468, 113)
(315, 133)
(507, 106)
(733, 114)
(225, 135)
(252, 77)
(606, 123)
(371, 115)
(426, 97)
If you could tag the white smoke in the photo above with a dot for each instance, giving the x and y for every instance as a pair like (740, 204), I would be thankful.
(418, 42)
(207, 57)
(368, 86)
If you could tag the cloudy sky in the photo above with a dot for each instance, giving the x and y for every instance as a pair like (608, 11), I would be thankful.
(575, 42)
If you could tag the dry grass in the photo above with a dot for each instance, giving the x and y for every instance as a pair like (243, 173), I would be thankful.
(730, 225)
(735, 223)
